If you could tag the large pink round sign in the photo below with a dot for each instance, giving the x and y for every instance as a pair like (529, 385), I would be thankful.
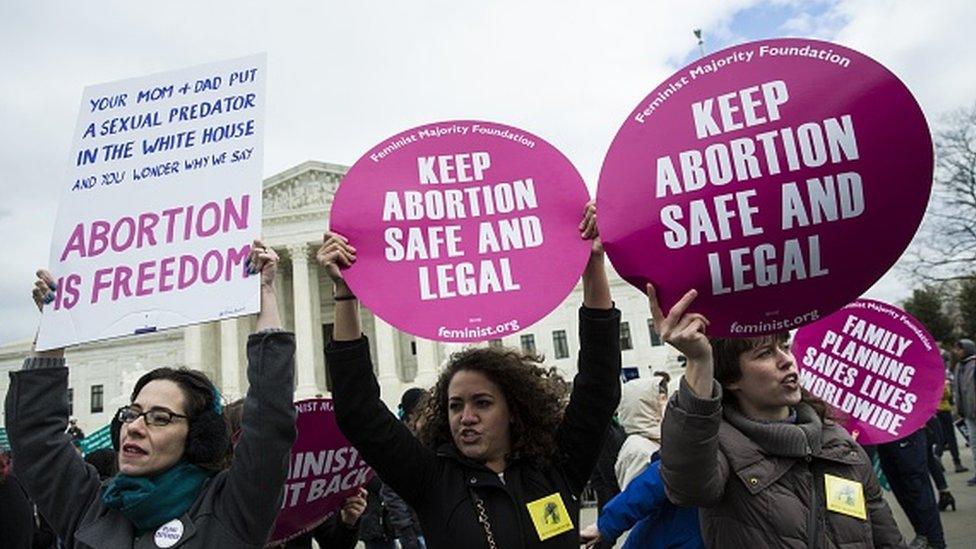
(779, 178)
(875, 365)
(464, 230)
(324, 470)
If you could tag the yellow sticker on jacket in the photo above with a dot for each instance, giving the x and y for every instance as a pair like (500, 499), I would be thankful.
(845, 497)
(549, 515)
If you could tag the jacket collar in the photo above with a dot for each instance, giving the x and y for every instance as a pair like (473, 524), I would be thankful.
(476, 474)
(760, 466)
(798, 439)
(112, 529)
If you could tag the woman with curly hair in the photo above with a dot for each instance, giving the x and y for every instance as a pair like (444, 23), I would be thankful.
(502, 459)
(535, 396)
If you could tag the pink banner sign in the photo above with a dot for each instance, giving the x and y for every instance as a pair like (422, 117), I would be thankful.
(323, 471)
(779, 178)
(464, 230)
(876, 366)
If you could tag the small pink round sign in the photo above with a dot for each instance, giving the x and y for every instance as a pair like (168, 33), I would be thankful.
(464, 230)
(779, 178)
(324, 470)
(876, 366)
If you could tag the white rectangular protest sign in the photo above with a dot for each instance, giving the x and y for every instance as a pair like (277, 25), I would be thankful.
(160, 203)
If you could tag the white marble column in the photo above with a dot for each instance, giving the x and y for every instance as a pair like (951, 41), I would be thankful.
(387, 359)
(304, 342)
(318, 343)
(428, 362)
(230, 360)
(280, 297)
(193, 347)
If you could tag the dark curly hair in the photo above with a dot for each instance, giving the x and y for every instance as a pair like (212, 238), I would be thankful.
(728, 369)
(536, 399)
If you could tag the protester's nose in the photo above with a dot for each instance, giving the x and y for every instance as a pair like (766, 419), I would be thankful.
(137, 428)
(786, 359)
(468, 415)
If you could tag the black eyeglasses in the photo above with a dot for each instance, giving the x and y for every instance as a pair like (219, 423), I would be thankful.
(156, 417)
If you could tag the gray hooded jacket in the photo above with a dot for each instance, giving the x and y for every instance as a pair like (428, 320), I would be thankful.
(965, 389)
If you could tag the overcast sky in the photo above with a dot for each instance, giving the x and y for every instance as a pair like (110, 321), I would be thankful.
(344, 76)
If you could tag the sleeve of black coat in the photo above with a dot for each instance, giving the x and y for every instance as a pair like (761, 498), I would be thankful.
(596, 393)
(252, 495)
(693, 467)
(54, 474)
(384, 441)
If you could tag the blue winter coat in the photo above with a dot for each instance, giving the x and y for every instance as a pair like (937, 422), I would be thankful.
(657, 523)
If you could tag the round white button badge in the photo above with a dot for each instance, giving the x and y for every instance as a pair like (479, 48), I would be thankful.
(169, 534)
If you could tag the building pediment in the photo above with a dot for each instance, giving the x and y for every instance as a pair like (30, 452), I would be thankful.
(301, 193)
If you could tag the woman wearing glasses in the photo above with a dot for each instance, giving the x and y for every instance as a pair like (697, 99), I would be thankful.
(171, 441)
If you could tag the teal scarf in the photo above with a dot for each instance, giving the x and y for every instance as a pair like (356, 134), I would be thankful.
(149, 502)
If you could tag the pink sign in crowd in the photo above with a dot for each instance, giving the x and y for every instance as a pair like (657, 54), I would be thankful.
(750, 194)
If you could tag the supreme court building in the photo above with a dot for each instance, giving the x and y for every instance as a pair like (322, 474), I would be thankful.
(296, 212)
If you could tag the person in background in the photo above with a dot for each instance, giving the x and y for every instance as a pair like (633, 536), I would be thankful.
(640, 416)
(340, 531)
(905, 463)
(934, 441)
(375, 529)
(964, 352)
(653, 521)
(944, 416)
(73, 430)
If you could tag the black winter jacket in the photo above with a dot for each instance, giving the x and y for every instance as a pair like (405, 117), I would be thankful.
(438, 484)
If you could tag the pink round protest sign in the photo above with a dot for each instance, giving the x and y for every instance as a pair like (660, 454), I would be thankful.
(464, 230)
(779, 178)
(876, 366)
(324, 469)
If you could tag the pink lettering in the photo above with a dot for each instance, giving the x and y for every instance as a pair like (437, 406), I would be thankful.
(239, 217)
(76, 242)
(146, 272)
(128, 225)
(166, 270)
(120, 285)
(147, 223)
(208, 208)
(100, 283)
(187, 274)
(98, 242)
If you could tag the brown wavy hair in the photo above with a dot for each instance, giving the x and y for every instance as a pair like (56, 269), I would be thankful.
(536, 398)
(726, 353)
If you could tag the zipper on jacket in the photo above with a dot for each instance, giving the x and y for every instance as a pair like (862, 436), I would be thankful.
(813, 519)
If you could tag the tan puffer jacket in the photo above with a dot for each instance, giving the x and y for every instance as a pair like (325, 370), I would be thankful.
(758, 482)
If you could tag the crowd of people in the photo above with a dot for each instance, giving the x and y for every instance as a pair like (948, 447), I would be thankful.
(497, 454)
